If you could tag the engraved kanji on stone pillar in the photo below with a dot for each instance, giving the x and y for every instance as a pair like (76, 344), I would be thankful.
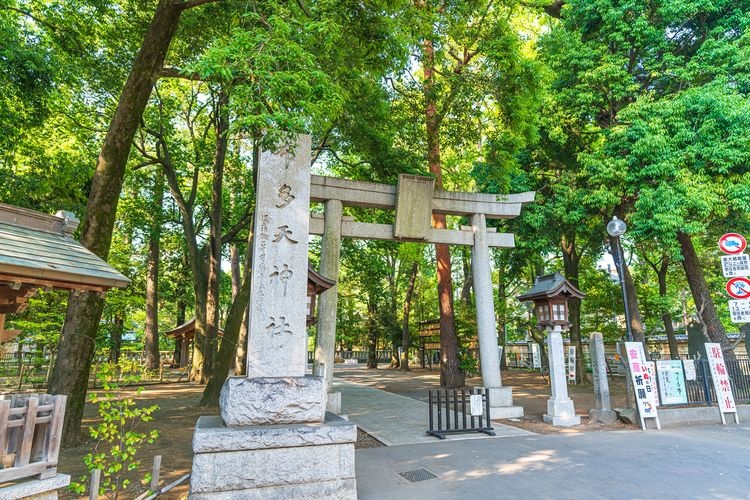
(277, 340)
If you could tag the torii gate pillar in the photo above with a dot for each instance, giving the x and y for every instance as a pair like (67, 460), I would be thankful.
(501, 398)
(325, 340)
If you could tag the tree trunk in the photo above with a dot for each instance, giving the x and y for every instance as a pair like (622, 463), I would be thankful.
(235, 318)
(502, 299)
(703, 302)
(240, 362)
(221, 128)
(372, 338)
(151, 332)
(661, 275)
(571, 260)
(181, 307)
(405, 321)
(466, 288)
(239, 357)
(636, 324)
(76, 345)
(450, 374)
(118, 326)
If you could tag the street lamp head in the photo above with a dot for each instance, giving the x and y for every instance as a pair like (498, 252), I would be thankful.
(616, 227)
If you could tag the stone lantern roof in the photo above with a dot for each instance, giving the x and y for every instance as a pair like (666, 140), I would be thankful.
(551, 285)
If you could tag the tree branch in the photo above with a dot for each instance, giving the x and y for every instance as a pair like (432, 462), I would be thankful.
(190, 4)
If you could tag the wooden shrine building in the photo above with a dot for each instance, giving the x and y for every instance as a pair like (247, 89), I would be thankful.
(38, 251)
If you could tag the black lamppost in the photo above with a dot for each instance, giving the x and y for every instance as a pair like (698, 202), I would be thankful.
(616, 228)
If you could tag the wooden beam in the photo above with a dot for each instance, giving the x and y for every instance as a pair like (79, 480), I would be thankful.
(67, 285)
(12, 308)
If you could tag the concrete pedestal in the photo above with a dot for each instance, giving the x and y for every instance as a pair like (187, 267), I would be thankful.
(36, 489)
(560, 409)
(561, 413)
(311, 461)
(501, 403)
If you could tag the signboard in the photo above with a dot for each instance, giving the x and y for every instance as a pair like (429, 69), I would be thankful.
(732, 243)
(689, 366)
(475, 402)
(649, 377)
(739, 288)
(720, 377)
(640, 378)
(536, 356)
(572, 364)
(672, 388)
(735, 265)
(739, 311)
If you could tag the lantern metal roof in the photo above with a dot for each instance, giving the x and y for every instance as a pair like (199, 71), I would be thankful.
(549, 286)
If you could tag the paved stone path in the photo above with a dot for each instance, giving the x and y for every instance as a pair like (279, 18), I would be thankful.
(705, 462)
(398, 420)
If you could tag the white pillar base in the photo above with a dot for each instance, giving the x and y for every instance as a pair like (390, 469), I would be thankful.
(501, 403)
(561, 413)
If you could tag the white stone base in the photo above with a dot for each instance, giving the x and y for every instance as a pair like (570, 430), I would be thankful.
(36, 489)
(501, 403)
(334, 403)
(345, 489)
(310, 461)
(561, 412)
(261, 401)
(504, 412)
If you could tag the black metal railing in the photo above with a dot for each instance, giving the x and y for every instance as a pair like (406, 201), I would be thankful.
(448, 412)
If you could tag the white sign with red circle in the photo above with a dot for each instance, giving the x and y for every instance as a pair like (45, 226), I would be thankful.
(732, 243)
(739, 288)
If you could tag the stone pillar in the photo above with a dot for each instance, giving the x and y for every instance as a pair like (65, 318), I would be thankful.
(560, 410)
(501, 398)
(603, 411)
(274, 438)
(325, 341)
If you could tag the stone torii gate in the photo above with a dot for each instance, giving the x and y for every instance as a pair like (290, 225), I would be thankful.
(415, 200)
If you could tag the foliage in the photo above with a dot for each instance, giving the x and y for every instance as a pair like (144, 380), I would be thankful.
(118, 438)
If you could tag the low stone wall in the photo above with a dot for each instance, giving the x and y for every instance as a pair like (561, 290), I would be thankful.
(703, 415)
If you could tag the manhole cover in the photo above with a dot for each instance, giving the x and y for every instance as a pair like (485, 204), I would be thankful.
(417, 475)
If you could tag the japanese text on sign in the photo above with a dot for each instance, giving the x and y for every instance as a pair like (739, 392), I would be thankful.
(735, 265)
(739, 311)
(720, 377)
(642, 381)
(672, 389)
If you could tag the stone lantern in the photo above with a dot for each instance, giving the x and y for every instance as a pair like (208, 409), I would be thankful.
(550, 296)
(316, 284)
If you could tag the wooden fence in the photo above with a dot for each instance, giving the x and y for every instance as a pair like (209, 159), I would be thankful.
(30, 432)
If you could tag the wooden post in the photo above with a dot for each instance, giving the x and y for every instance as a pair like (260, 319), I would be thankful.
(155, 474)
(23, 457)
(20, 372)
(96, 476)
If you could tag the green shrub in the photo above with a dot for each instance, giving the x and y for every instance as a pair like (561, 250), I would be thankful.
(118, 438)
